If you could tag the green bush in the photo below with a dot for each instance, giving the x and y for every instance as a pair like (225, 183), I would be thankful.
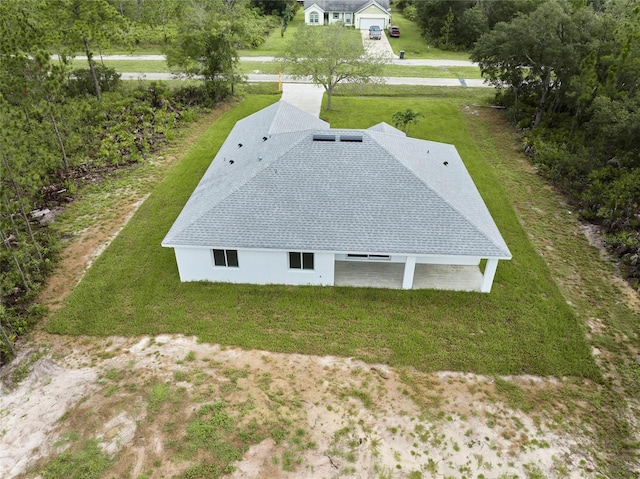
(81, 82)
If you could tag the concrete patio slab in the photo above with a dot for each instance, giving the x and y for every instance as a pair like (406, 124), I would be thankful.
(426, 276)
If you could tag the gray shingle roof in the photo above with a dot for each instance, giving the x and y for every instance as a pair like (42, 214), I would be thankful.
(387, 194)
(386, 128)
(345, 5)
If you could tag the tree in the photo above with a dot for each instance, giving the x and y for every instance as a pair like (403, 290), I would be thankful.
(80, 25)
(404, 119)
(439, 19)
(536, 54)
(331, 55)
(208, 40)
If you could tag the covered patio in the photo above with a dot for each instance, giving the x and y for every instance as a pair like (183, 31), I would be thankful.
(390, 275)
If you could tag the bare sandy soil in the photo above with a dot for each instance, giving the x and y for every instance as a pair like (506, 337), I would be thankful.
(357, 420)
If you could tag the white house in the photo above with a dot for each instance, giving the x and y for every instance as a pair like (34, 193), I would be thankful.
(289, 200)
(359, 13)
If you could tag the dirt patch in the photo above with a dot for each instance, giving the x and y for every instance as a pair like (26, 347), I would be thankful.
(321, 416)
(86, 245)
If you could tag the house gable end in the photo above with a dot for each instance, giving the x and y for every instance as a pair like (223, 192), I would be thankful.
(372, 7)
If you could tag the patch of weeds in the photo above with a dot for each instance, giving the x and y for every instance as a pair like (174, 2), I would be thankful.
(264, 380)
(279, 435)
(363, 396)
(414, 475)
(287, 461)
(515, 395)
(111, 374)
(233, 375)
(383, 473)
(533, 472)
(111, 390)
(191, 356)
(87, 463)
(21, 371)
(252, 434)
(71, 436)
(211, 419)
(198, 377)
(180, 376)
(349, 470)
(202, 471)
(158, 395)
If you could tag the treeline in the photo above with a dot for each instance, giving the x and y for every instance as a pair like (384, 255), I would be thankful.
(59, 127)
(458, 24)
(569, 73)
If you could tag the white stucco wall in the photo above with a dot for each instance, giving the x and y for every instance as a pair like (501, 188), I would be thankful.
(255, 266)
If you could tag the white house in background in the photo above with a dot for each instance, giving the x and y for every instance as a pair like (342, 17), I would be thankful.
(359, 13)
(288, 200)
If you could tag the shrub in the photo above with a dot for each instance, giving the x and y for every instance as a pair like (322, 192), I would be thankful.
(81, 82)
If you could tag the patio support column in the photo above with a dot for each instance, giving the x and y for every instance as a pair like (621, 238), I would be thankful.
(489, 273)
(409, 269)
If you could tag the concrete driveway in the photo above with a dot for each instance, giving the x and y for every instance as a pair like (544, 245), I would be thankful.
(305, 96)
(377, 47)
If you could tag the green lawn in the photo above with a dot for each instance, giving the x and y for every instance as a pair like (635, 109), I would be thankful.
(414, 44)
(138, 66)
(432, 72)
(276, 42)
(523, 326)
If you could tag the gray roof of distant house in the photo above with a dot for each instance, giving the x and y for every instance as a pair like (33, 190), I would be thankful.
(387, 194)
(345, 5)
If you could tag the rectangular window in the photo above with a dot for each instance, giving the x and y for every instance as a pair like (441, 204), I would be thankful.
(225, 257)
(299, 260)
(347, 18)
(336, 15)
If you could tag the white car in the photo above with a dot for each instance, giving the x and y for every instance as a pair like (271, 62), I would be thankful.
(375, 33)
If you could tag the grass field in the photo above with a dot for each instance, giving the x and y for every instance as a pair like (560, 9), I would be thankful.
(414, 44)
(276, 42)
(523, 326)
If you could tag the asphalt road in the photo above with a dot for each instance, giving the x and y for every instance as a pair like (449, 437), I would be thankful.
(394, 61)
(257, 78)
(254, 78)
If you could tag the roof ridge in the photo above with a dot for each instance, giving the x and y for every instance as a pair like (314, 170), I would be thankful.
(472, 223)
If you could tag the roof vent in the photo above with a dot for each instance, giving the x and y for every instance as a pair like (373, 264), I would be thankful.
(324, 137)
(351, 138)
